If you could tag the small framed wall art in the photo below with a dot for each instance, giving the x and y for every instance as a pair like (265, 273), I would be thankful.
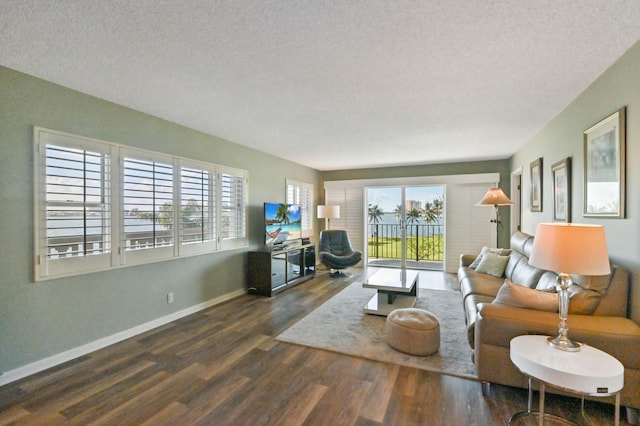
(561, 173)
(536, 185)
(604, 167)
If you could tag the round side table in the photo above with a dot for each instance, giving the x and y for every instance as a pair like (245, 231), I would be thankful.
(588, 372)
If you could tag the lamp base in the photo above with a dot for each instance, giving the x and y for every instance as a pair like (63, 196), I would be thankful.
(563, 343)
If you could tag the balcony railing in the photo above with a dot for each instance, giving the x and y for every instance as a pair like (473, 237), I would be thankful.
(425, 242)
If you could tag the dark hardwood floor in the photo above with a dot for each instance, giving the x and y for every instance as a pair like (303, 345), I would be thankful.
(223, 366)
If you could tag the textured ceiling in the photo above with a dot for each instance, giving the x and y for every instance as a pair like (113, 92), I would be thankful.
(330, 84)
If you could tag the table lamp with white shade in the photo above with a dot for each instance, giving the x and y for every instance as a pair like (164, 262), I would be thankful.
(569, 248)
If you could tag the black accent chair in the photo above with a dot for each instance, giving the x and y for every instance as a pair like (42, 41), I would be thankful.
(336, 252)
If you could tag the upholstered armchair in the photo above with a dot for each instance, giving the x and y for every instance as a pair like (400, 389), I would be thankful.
(336, 252)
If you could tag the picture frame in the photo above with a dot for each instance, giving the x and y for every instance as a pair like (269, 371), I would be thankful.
(561, 175)
(535, 199)
(604, 167)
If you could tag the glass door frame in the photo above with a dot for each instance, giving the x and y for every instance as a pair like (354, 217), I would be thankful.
(403, 225)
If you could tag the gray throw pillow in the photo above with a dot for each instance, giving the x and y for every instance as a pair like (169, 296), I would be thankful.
(493, 264)
(485, 250)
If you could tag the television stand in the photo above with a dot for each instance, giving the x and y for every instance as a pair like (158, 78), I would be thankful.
(273, 271)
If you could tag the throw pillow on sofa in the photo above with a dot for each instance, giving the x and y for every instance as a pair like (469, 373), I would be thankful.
(493, 264)
(485, 250)
(525, 297)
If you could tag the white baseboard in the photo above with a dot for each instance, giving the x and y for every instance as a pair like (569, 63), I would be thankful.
(57, 359)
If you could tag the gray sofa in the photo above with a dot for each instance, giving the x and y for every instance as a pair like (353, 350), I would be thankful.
(598, 316)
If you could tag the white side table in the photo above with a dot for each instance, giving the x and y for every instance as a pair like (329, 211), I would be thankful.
(588, 372)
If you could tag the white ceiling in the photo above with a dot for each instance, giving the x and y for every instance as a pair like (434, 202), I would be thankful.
(330, 84)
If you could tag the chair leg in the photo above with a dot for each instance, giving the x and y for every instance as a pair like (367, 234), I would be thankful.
(633, 416)
(337, 274)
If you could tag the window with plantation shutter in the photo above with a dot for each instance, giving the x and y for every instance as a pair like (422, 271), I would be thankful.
(101, 205)
(73, 225)
(301, 193)
(148, 212)
(197, 208)
(233, 200)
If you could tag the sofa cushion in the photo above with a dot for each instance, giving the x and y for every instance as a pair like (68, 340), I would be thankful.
(599, 283)
(471, 304)
(581, 301)
(525, 297)
(584, 298)
(525, 274)
(472, 282)
(521, 242)
(547, 281)
(492, 264)
(485, 250)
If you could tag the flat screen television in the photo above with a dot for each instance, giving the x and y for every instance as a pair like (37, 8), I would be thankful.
(282, 223)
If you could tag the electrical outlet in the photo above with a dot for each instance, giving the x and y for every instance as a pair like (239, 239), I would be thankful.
(169, 297)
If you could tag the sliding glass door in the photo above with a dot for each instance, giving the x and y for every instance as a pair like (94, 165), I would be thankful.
(405, 226)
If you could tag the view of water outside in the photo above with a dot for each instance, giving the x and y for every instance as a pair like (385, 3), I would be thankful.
(388, 200)
(423, 245)
(68, 226)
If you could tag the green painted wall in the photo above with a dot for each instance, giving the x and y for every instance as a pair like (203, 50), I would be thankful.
(563, 137)
(38, 320)
(495, 166)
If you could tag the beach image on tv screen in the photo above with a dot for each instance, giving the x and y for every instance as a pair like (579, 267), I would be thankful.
(282, 222)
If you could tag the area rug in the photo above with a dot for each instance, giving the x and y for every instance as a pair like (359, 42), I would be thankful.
(340, 325)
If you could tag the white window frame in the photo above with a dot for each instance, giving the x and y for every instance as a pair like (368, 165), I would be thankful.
(240, 239)
(59, 266)
(129, 254)
(192, 248)
(302, 193)
(119, 256)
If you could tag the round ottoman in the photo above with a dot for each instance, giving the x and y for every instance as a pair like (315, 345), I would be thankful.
(413, 331)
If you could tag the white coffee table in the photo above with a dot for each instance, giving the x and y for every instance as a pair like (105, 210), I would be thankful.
(397, 288)
(589, 371)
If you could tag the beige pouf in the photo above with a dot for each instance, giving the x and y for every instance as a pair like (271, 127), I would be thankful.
(413, 331)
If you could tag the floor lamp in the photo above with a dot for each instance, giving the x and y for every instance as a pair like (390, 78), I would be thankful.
(495, 197)
(329, 212)
(569, 248)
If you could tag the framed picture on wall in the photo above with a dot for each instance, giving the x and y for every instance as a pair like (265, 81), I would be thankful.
(604, 167)
(561, 174)
(536, 185)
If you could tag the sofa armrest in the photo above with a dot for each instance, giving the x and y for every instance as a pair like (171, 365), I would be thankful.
(497, 324)
(467, 259)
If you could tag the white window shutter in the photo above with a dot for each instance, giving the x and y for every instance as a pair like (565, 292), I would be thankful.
(352, 214)
(233, 216)
(301, 193)
(73, 217)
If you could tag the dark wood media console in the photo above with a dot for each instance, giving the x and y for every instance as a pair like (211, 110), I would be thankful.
(273, 271)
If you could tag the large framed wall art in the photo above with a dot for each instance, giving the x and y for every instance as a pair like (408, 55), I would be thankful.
(604, 167)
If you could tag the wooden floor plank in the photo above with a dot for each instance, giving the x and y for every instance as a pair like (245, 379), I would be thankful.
(297, 409)
(170, 415)
(376, 405)
(12, 415)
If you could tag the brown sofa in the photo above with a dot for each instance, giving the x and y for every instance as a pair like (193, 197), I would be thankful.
(598, 313)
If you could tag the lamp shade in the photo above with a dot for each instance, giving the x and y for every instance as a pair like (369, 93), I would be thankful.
(572, 248)
(495, 197)
(328, 212)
